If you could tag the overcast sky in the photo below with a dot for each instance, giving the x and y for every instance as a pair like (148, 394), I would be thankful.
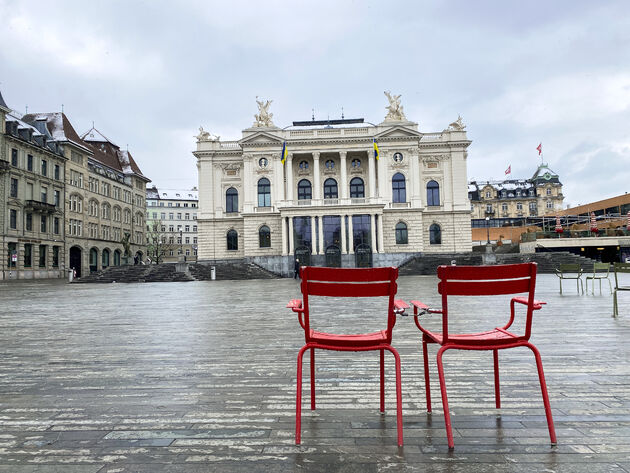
(149, 73)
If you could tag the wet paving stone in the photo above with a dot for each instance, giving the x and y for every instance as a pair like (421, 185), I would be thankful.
(200, 377)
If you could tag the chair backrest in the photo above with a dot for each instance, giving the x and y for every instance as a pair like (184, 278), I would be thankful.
(602, 267)
(620, 268)
(349, 282)
(487, 281)
(570, 268)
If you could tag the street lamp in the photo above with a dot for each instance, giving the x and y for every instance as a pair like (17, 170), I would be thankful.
(488, 228)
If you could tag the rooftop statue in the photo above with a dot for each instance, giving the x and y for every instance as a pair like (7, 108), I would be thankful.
(206, 136)
(394, 109)
(263, 117)
(457, 125)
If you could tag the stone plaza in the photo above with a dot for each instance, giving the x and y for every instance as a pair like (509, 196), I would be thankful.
(200, 377)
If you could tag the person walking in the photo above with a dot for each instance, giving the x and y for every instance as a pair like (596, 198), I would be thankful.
(296, 269)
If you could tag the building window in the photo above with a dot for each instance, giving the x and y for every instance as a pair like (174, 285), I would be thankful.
(330, 164)
(55, 256)
(487, 194)
(57, 171)
(433, 194)
(57, 196)
(304, 190)
(42, 256)
(44, 194)
(44, 167)
(401, 233)
(330, 189)
(29, 222)
(29, 162)
(357, 189)
(170, 216)
(303, 165)
(231, 201)
(14, 187)
(264, 193)
(549, 204)
(28, 255)
(232, 240)
(14, 157)
(356, 163)
(519, 206)
(399, 192)
(504, 207)
(56, 225)
(43, 223)
(13, 219)
(264, 237)
(548, 191)
(488, 208)
(435, 234)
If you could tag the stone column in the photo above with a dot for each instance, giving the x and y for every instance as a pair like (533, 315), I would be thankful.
(380, 235)
(314, 245)
(317, 192)
(283, 227)
(289, 170)
(343, 185)
(371, 173)
(447, 198)
(278, 175)
(343, 234)
(415, 178)
(350, 236)
(373, 232)
(249, 191)
(291, 247)
(383, 191)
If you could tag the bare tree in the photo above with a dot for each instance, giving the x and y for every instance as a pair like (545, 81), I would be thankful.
(159, 242)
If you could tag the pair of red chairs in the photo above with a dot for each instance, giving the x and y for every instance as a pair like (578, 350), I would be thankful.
(454, 281)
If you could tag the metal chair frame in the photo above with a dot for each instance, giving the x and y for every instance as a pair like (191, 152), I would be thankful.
(564, 271)
(598, 276)
(619, 268)
(480, 281)
(342, 283)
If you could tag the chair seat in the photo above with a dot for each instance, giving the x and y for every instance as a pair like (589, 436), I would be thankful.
(494, 337)
(342, 340)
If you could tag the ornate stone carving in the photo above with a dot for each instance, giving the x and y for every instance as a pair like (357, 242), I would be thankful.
(263, 117)
(457, 125)
(206, 136)
(434, 157)
(231, 169)
(394, 109)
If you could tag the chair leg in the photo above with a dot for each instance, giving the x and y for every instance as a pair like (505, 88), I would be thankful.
(545, 396)
(382, 381)
(312, 379)
(609, 285)
(447, 414)
(560, 285)
(615, 309)
(427, 384)
(399, 419)
(497, 390)
(298, 401)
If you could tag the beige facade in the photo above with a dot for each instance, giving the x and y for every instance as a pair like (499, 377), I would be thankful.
(517, 198)
(171, 224)
(332, 199)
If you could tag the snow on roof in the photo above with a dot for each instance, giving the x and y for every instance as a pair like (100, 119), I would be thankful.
(178, 194)
(12, 116)
(125, 163)
(93, 135)
(472, 187)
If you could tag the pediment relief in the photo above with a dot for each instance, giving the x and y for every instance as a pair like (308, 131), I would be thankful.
(398, 132)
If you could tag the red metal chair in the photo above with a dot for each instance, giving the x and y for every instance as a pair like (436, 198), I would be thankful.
(483, 281)
(335, 282)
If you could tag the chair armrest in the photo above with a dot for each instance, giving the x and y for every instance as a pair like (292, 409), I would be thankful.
(400, 306)
(523, 300)
(295, 305)
(424, 309)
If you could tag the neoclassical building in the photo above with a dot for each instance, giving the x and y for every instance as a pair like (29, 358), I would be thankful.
(319, 191)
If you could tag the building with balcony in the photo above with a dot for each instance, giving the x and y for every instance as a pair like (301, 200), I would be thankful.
(512, 201)
(318, 191)
(172, 224)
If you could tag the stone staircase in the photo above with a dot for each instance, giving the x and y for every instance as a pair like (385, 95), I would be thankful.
(547, 262)
(231, 270)
(138, 273)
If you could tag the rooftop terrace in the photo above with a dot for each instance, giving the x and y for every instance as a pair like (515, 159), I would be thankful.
(200, 377)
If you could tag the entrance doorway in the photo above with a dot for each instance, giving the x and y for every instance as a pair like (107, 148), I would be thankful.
(93, 260)
(363, 256)
(303, 253)
(75, 260)
(333, 256)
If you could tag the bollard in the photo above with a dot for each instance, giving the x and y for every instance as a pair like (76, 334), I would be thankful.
(70, 275)
(213, 273)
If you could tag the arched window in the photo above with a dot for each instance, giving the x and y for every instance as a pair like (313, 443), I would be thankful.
(231, 200)
(433, 193)
(264, 237)
(304, 190)
(401, 233)
(399, 191)
(232, 240)
(330, 189)
(435, 234)
(105, 258)
(357, 189)
(264, 193)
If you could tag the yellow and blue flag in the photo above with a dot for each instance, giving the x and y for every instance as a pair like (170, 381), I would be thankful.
(376, 151)
(285, 153)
